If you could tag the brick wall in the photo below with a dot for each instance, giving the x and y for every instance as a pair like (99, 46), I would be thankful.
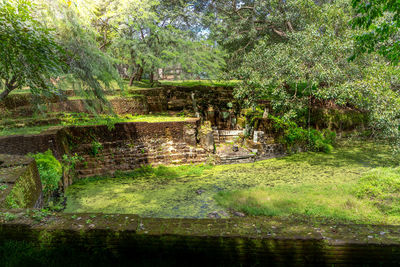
(125, 147)
(21, 183)
(24, 144)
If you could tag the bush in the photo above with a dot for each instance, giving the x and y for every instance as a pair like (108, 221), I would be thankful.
(294, 136)
(50, 171)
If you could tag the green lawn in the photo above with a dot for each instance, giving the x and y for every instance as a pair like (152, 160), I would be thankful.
(308, 186)
(82, 119)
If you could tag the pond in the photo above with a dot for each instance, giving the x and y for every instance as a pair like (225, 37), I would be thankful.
(299, 184)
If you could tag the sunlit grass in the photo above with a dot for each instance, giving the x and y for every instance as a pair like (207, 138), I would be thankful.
(349, 195)
(26, 130)
(83, 119)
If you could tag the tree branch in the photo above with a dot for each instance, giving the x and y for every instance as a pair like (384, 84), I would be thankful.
(282, 34)
(290, 27)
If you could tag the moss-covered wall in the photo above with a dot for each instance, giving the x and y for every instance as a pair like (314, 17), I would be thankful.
(128, 239)
(21, 185)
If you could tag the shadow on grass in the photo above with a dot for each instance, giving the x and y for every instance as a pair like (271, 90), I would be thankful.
(366, 154)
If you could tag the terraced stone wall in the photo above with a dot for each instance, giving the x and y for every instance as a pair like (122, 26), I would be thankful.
(126, 240)
(24, 144)
(214, 104)
(126, 146)
(131, 145)
(20, 185)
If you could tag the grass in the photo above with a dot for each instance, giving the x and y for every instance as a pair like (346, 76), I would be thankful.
(145, 84)
(308, 186)
(356, 192)
(151, 192)
(83, 119)
(26, 130)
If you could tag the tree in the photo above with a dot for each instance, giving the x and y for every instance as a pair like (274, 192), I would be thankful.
(154, 35)
(29, 53)
(310, 66)
(239, 25)
(310, 61)
(90, 70)
(381, 21)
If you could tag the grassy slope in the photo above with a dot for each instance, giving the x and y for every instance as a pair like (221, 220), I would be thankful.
(73, 120)
(315, 186)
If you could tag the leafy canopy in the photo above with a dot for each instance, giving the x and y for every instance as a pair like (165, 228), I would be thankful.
(381, 21)
(29, 54)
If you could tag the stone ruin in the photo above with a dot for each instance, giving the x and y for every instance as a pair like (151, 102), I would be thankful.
(127, 239)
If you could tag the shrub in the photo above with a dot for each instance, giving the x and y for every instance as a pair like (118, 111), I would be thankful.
(50, 171)
(294, 136)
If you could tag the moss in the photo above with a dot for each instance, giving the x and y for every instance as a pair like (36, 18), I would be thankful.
(190, 191)
(26, 190)
(63, 239)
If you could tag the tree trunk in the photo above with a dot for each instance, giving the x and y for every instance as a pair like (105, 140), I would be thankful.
(4, 94)
(136, 75)
(7, 91)
(139, 74)
(132, 78)
(152, 77)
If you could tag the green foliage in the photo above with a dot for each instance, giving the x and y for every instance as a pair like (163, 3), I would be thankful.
(69, 161)
(50, 171)
(294, 136)
(310, 62)
(158, 34)
(90, 69)
(97, 147)
(6, 216)
(193, 83)
(39, 215)
(338, 119)
(29, 53)
(238, 26)
(381, 21)
(308, 66)
(3, 187)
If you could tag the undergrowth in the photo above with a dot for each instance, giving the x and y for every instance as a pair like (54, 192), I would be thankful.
(50, 171)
